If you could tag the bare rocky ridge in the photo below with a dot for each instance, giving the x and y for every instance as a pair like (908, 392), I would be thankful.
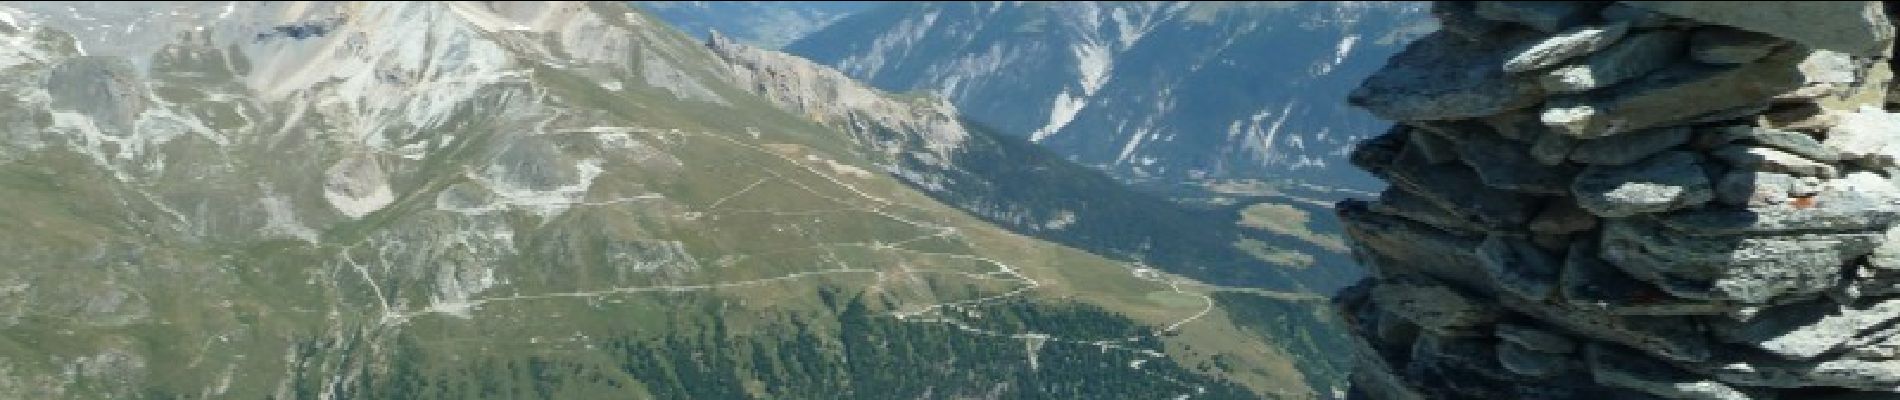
(1633, 200)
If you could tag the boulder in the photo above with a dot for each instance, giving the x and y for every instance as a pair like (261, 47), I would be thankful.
(1854, 27)
(1432, 80)
(1561, 47)
(1663, 182)
(1632, 57)
(1625, 149)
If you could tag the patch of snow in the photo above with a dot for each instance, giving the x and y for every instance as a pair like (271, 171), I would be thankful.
(1093, 61)
(1064, 110)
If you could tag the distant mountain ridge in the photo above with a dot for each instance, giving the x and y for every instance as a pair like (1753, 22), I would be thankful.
(769, 24)
(1148, 91)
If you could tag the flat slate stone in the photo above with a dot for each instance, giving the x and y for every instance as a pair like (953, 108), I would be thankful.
(1725, 45)
(1628, 148)
(1856, 27)
(1437, 78)
(1561, 47)
(1676, 95)
(1632, 57)
(1664, 182)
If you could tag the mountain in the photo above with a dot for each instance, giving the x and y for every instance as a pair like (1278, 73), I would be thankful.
(401, 200)
(1157, 93)
(769, 24)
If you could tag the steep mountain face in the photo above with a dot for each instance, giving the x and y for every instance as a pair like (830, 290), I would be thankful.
(1633, 200)
(925, 142)
(1155, 92)
(769, 24)
(539, 200)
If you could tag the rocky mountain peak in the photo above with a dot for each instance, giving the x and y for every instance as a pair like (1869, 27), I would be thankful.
(1632, 200)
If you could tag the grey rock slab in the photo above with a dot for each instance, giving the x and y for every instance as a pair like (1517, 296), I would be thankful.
(1456, 188)
(1398, 202)
(1519, 266)
(1547, 16)
(1753, 269)
(1725, 45)
(1856, 27)
(1442, 76)
(1436, 308)
(1434, 148)
(1563, 46)
(1562, 216)
(1674, 338)
(1632, 57)
(1503, 164)
(1616, 367)
(1415, 249)
(1860, 201)
(1767, 159)
(1664, 182)
(1628, 148)
(1536, 339)
(1522, 361)
(1806, 330)
(1590, 283)
(1675, 95)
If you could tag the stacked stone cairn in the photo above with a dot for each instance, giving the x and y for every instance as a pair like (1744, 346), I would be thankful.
(1632, 200)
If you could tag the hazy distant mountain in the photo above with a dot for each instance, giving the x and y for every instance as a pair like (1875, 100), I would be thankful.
(769, 24)
(1149, 91)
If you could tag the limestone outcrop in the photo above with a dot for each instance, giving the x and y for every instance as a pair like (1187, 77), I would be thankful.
(1632, 200)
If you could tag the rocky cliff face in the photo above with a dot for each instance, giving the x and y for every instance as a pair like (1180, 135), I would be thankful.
(1646, 199)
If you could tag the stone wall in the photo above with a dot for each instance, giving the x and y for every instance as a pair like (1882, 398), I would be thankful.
(1632, 200)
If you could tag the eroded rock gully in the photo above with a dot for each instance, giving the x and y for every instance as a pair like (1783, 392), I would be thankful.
(1633, 200)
